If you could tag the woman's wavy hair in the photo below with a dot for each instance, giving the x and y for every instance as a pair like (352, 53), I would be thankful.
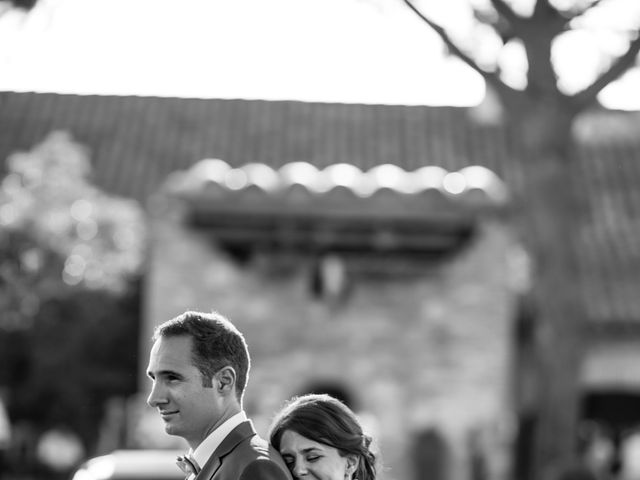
(325, 419)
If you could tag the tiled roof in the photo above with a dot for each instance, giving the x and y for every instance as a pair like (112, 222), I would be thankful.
(137, 142)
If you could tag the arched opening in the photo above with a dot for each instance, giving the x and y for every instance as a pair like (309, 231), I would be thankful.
(334, 389)
(430, 455)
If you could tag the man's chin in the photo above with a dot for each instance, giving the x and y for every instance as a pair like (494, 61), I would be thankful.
(171, 427)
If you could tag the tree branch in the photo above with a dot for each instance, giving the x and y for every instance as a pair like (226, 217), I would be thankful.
(617, 68)
(540, 8)
(23, 4)
(501, 23)
(578, 12)
(491, 77)
(506, 11)
(546, 14)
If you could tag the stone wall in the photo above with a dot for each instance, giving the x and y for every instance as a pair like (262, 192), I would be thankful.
(415, 353)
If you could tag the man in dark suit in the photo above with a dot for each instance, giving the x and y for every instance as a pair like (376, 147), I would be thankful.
(199, 365)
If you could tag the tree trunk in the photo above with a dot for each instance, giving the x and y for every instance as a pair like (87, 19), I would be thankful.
(549, 213)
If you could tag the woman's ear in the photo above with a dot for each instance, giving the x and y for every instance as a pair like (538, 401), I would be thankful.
(352, 465)
(225, 380)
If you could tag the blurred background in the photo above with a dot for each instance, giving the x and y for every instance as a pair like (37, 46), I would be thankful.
(429, 209)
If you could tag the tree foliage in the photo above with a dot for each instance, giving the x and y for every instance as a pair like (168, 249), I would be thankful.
(71, 258)
(59, 231)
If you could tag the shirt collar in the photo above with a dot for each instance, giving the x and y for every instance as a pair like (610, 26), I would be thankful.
(215, 438)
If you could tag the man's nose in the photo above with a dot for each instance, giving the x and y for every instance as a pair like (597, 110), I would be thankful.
(156, 397)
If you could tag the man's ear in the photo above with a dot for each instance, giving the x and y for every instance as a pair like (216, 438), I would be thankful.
(225, 380)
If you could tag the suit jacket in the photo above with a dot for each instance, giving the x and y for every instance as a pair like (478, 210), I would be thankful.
(243, 455)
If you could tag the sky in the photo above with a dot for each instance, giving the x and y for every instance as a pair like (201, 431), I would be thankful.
(351, 51)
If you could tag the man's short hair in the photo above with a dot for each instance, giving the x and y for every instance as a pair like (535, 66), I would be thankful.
(217, 343)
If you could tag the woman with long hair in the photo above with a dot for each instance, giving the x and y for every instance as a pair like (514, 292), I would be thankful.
(320, 438)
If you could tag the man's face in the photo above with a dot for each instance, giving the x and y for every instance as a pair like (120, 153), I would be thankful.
(188, 409)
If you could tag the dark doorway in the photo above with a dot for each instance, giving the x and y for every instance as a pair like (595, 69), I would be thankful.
(616, 413)
(429, 455)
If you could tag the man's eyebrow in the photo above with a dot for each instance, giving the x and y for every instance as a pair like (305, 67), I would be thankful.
(163, 373)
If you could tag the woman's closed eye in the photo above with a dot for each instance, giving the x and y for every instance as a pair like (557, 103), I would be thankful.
(290, 461)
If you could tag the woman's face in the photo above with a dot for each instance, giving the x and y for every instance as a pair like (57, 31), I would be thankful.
(307, 459)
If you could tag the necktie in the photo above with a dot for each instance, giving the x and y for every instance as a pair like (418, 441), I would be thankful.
(188, 465)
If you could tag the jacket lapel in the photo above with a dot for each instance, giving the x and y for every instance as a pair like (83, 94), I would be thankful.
(241, 432)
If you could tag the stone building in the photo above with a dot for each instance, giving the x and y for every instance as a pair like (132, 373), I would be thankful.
(400, 303)
(361, 254)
